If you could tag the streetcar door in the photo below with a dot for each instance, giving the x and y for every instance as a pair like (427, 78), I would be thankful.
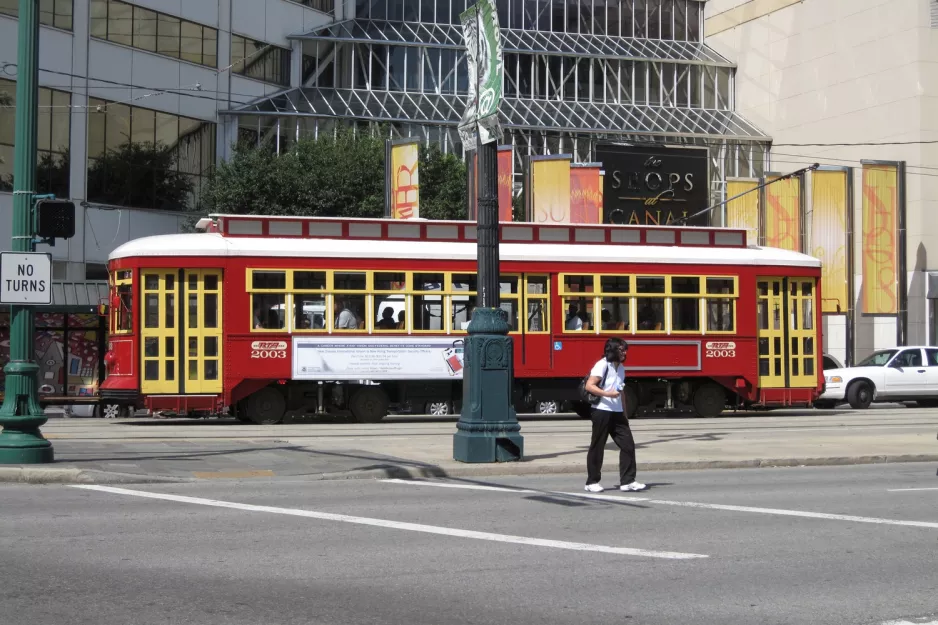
(203, 340)
(787, 332)
(159, 332)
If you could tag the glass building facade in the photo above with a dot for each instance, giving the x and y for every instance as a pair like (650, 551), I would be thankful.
(577, 72)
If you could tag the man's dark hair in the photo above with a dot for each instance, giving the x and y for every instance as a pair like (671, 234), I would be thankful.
(613, 345)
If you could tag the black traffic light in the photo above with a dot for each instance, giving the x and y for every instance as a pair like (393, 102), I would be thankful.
(55, 219)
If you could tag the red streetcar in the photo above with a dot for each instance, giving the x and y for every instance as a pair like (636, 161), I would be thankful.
(273, 316)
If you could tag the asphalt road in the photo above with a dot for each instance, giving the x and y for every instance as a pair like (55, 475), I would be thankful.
(837, 545)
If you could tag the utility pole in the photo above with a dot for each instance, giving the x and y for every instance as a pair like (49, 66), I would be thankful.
(488, 429)
(21, 442)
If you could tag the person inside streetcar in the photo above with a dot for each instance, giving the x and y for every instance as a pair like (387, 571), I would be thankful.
(387, 319)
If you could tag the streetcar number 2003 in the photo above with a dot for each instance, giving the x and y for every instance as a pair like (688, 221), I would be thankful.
(269, 349)
(268, 353)
(721, 349)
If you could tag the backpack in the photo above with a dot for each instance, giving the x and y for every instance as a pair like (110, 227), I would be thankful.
(585, 395)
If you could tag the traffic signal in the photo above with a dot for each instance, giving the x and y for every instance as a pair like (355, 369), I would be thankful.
(55, 219)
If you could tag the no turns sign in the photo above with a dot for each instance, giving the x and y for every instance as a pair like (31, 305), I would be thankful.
(25, 278)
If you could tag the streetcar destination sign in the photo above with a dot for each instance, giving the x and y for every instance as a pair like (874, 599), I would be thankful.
(25, 278)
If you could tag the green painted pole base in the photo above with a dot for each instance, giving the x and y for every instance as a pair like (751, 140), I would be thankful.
(21, 442)
(488, 429)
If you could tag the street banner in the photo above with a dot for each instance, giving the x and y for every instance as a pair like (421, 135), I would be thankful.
(484, 58)
(783, 213)
(586, 193)
(743, 212)
(548, 193)
(402, 179)
(830, 203)
(505, 182)
(880, 239)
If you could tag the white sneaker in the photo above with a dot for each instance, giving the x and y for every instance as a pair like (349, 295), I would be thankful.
(633, 486)
(594, 488)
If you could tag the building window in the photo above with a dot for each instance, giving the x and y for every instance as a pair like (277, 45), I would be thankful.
(259, 60)
(152, 31)
(147, 159)
(55, 13)
(53, 140)
(326, 6)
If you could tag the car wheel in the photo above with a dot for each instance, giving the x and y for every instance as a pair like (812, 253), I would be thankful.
(860, 395)
(439, 408)
(546, 407)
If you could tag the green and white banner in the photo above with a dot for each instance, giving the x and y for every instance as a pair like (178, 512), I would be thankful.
(481, 34)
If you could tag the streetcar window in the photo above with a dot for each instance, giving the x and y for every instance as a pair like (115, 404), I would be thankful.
(428, 282)
(650, 310)
(464, 282)
(268, 311)
(725, 286)
(385, 281)
(309, 280)
(615, 314)
(350, 281)
(309, 312)
(537, 303)
(579, 313)
(461, 307)
(577, 284)
(349, 312)
(685, 314)
(508, 285)
(685, 285)
(721, 315)
(615, 284)
(510, 307)
(124, 313)
(428, 313)
(649, 284)
(391, 312)
(269, 280)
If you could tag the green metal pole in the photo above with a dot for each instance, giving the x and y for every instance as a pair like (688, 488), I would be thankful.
(21, 442)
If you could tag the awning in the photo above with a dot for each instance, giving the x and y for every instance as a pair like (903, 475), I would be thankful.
(74, 295)
(550, 115)
(425, 35)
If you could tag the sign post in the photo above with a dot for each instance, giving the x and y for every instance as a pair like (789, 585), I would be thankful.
(488, 429)
(21, 442)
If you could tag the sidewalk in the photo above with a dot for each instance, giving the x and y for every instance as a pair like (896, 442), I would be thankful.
(159, 450)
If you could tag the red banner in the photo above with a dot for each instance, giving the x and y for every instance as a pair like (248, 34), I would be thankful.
(586, 195)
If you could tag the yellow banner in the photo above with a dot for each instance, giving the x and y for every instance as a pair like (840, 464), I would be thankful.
(829, 191)
(783, 214)
(405, 181)
(880, 230)
(743, 212)
(550, 191)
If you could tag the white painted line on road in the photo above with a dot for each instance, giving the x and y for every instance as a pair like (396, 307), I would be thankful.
(465, 486)
(905, 490)
(796, 513)
(413, 527)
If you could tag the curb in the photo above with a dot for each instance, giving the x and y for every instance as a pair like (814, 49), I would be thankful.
(70, 475)
(63, 475)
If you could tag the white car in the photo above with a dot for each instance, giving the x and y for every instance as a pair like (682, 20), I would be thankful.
(900, 374)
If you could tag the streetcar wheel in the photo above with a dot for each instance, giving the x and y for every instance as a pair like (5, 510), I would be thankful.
(438, 408)
(266, 406)
(860, 395)
(369, 404)
(709, 400)
(546, 407)
(111, 411)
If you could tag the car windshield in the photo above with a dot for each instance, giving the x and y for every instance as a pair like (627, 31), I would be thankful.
(878, 359)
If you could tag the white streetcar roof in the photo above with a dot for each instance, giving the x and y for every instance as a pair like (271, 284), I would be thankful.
(214, 244)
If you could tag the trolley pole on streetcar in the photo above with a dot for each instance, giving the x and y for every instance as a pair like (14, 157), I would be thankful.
(488, 429)
(21, 442)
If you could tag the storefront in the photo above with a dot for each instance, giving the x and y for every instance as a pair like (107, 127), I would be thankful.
(70, 342)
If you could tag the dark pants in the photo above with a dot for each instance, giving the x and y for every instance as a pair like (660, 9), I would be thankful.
(607, 423)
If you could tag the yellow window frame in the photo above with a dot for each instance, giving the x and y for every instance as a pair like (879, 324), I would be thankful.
(544, 298)
(734, 297)
(671, 296)
(116, 310)
(629, 295)
(374, 292)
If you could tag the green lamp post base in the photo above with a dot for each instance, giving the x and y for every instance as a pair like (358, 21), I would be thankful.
(488, 429)
(21, 442)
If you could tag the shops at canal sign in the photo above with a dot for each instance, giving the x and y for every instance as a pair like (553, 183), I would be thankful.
(654, 185)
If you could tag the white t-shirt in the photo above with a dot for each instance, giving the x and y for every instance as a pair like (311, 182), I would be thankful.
(346, 320)
(574, 323)
(614, 379)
